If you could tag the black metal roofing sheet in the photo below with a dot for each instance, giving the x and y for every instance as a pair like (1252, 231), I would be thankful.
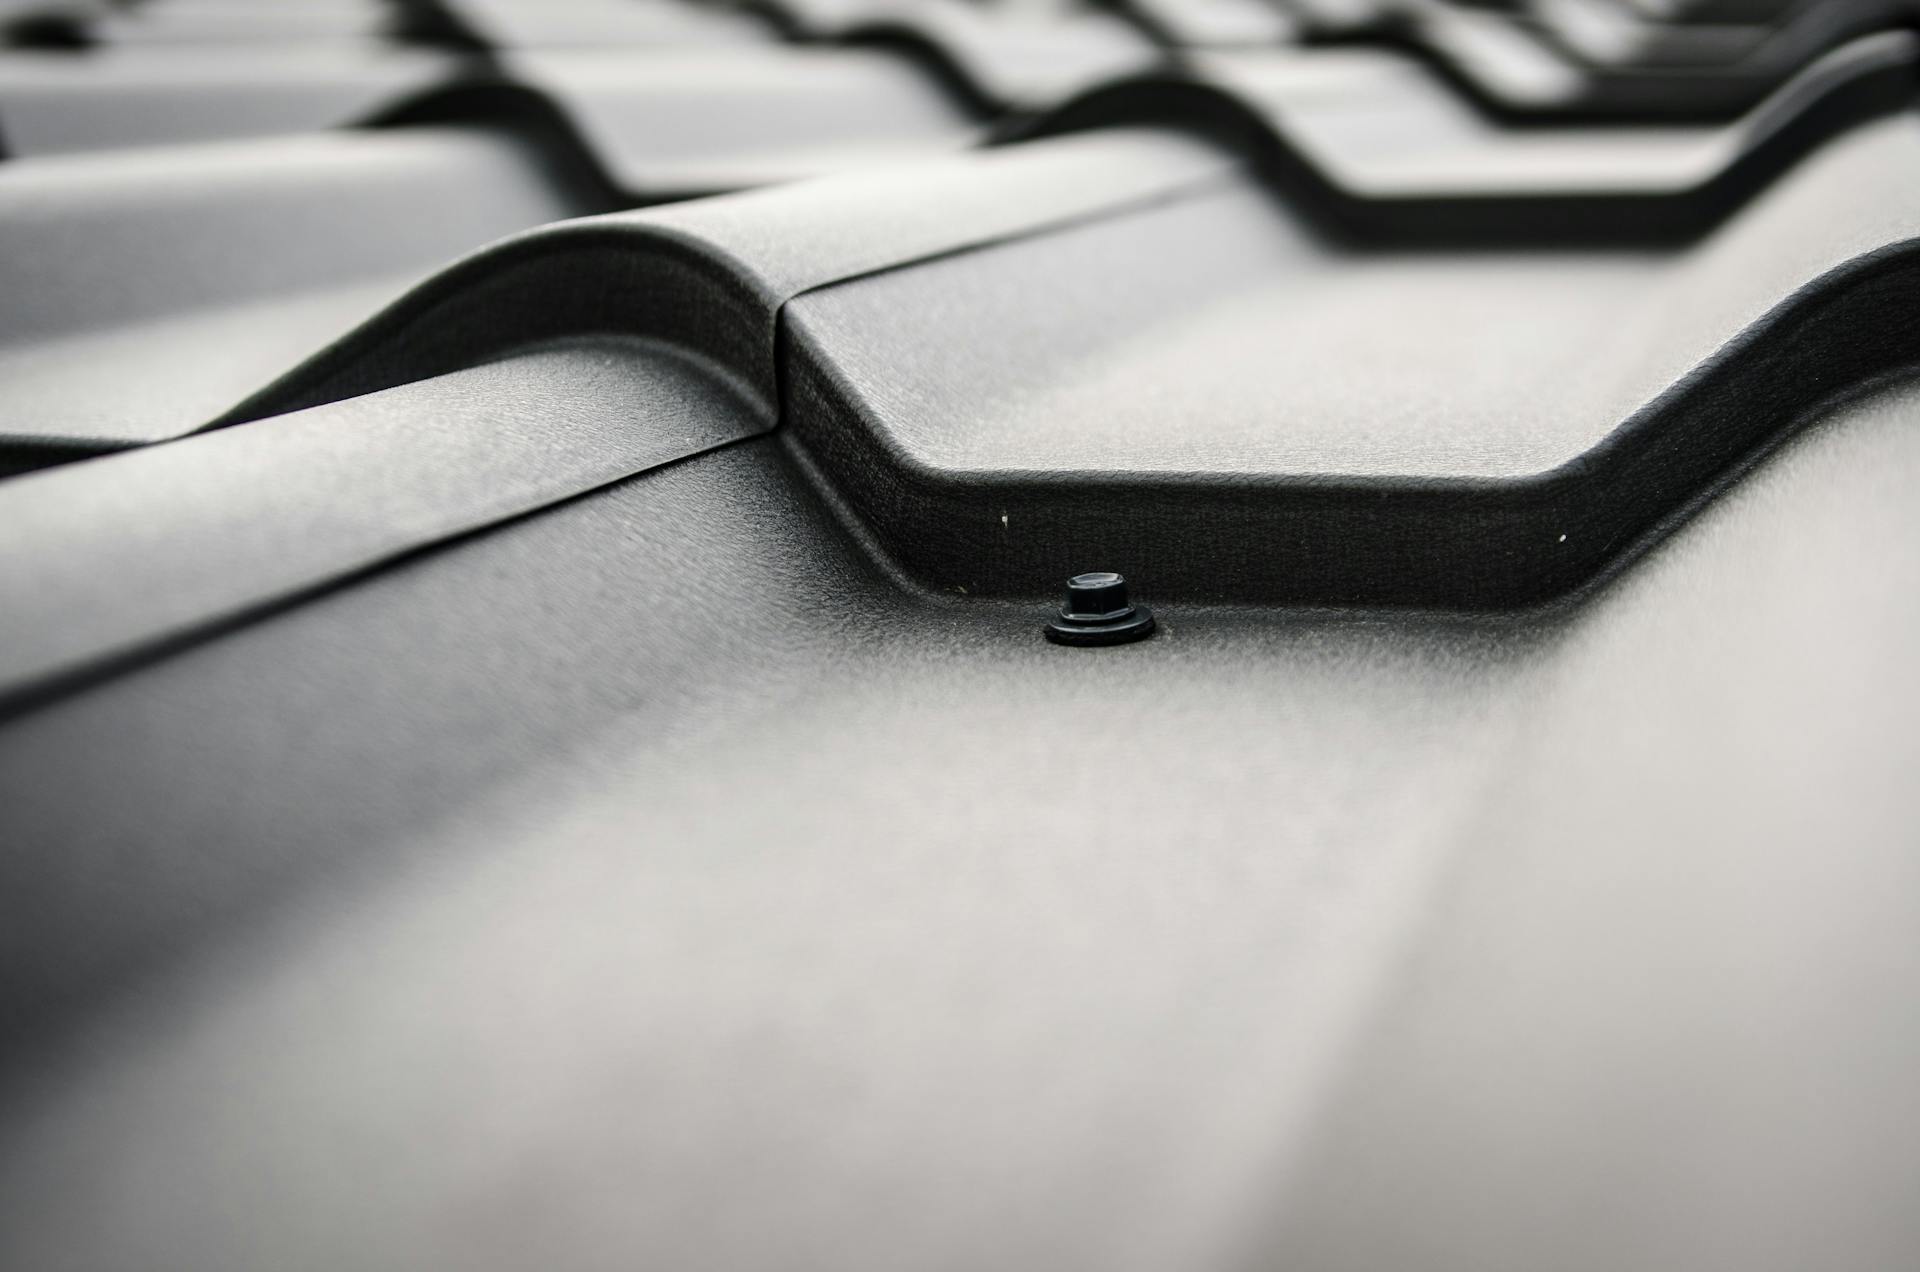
(526, 737)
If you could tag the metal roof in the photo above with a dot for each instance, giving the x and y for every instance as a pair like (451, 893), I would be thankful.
(527, 736)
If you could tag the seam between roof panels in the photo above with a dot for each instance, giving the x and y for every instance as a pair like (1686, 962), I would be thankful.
(1191, 189)
(783, 343)
(25, 692)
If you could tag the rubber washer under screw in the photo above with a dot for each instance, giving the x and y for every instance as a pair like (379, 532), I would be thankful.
(1097, 612)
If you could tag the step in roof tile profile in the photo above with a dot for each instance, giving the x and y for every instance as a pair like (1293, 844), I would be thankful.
(528, 730)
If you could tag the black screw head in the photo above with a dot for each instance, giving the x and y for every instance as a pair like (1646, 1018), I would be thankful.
(1093, 595)
(1097, 612)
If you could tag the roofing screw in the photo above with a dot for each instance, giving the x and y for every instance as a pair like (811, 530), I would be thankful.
(1097, 613)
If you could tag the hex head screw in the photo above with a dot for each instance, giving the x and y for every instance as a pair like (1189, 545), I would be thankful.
(1097, 612)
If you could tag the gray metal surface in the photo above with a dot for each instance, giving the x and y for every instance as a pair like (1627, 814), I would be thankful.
(525, 733)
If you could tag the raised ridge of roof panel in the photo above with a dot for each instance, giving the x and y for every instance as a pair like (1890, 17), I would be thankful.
(1415, 427)
(1514, 70)
(525, 24)
(947, 406)
(669, 125)
(115, 98)
(156, 288)
(1400, 156)
(1208, 23)
(242, 21)
(1006, 58)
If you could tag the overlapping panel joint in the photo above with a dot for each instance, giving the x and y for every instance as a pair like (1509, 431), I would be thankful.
(1368, 302)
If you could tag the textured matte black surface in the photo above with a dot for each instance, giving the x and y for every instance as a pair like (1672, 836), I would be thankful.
(526, 735)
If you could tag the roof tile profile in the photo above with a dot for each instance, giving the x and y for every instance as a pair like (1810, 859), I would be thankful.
(528, 730)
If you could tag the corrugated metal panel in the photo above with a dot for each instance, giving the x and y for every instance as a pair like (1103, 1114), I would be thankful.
(526, 735)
